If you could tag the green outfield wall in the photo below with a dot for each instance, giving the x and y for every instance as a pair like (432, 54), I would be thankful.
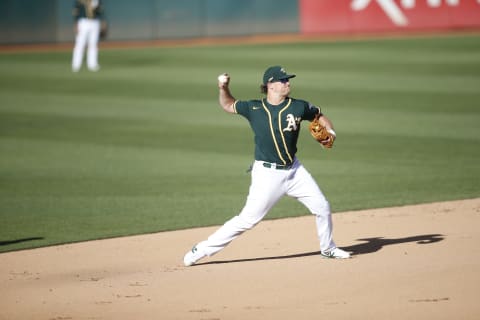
(40, 21)
(34, 21)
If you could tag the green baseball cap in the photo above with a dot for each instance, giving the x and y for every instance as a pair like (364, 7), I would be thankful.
(276, 73)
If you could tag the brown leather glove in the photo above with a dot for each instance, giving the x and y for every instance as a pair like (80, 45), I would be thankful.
(324, 136)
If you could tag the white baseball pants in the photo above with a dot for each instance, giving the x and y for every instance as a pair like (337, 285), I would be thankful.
(268, 185)
(88, 31)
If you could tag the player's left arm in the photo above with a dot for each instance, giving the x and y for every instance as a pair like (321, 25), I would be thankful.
(325, 121)
(312, 112)
(320, 120)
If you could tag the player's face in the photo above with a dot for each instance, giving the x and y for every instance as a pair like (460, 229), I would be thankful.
(281, 87)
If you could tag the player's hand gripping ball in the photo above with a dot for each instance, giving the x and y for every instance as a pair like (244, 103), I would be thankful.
(324, 136)
(223, 79)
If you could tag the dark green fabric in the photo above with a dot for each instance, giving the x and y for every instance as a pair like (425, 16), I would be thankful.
(276, 128)
(82, 9)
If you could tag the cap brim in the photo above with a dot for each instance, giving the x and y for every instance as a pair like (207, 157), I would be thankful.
(288, 76)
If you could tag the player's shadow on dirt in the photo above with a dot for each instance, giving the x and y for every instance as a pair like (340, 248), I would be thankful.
(369, 245)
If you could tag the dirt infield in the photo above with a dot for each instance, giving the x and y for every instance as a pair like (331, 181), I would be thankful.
(413, 262)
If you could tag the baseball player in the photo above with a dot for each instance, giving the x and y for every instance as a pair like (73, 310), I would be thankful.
(89, 20)
(276, 172)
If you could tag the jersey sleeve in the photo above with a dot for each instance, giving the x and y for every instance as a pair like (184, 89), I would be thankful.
(310, 111)
(242, 107)
(100, 11)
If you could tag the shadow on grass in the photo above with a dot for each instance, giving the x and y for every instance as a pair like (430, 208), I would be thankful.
(369, 245)
(9, 242)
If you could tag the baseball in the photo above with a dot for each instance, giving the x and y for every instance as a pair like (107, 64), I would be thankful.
(223, 78)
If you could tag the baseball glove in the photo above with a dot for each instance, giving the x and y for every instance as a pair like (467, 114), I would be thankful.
(103, 30)
(324, 136)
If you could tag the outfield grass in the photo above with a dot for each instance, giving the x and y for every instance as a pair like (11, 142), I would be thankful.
(142, 145)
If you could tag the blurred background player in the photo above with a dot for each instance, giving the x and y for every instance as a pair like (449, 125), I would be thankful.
(89, 21)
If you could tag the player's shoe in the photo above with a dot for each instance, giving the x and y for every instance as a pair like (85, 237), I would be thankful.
(94, 68)
(193, 256)
(335, 253)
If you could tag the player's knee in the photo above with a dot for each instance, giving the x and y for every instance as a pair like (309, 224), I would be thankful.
(321, 208)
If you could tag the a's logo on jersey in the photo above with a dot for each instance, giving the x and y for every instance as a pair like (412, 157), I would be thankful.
(292, 123)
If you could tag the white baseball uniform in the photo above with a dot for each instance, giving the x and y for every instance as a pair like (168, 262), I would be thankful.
(88, 14)
(276, 172)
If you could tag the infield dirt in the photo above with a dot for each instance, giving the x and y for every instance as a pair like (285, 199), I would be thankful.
(412, 262)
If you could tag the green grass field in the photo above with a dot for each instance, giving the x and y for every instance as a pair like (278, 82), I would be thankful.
(142, 146)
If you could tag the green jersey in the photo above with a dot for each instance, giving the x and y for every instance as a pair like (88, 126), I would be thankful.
(91, 9)
(276, 128)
